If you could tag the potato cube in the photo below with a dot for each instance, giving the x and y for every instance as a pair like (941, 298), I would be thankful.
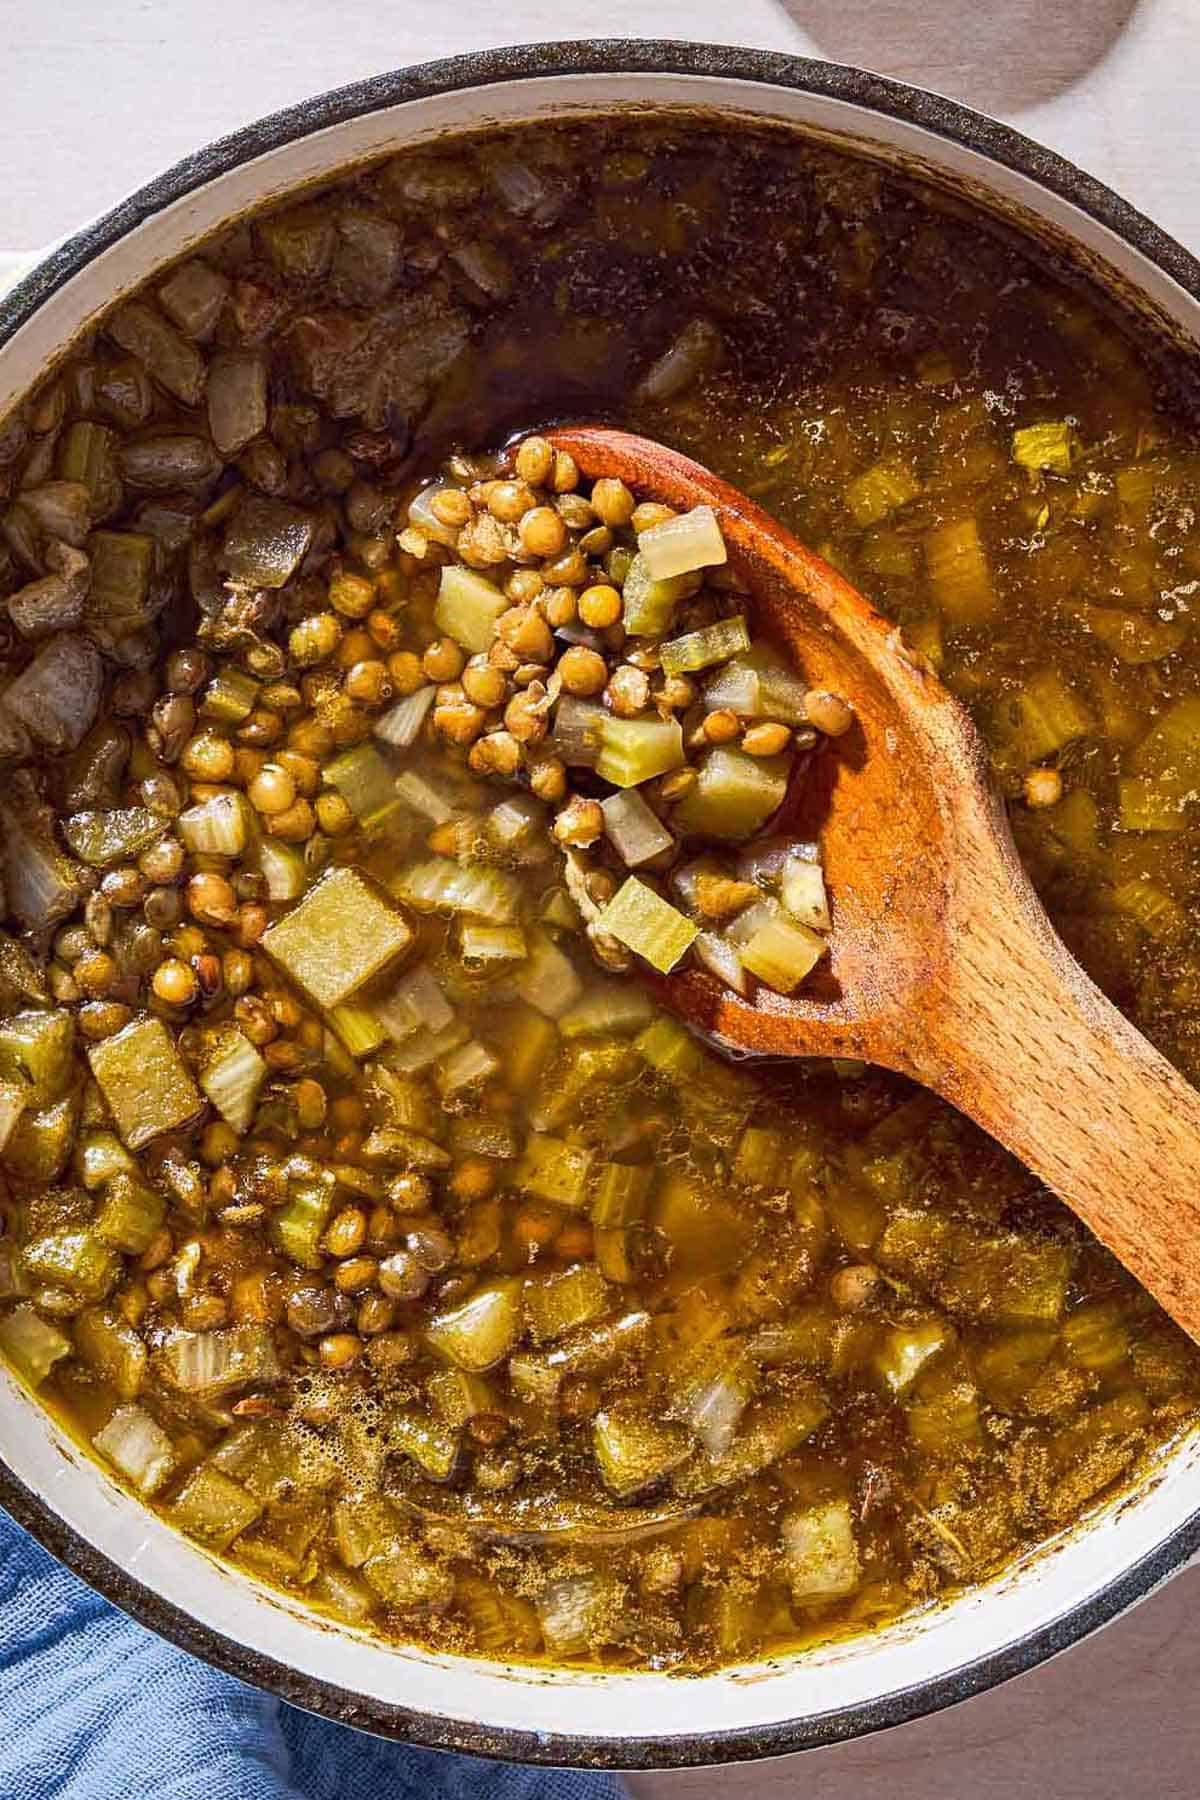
(344, 931)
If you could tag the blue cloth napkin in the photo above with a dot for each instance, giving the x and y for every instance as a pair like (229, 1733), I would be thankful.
(93, 1707)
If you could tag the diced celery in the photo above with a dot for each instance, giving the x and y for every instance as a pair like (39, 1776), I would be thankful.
(633, 1450)
(230, 696)
(343, 932)
(621, 1193)
(491, 945)
(40, 1144)
(714, 643)
(574, 1079)
(611, 1006)
(421, 797)
(1096, 1336)
(635, 832)
(468, 606)
(1133, 637)
(457, 1395)
(358, 1028)
(959, 572)
(366, 783)
(669, 1049)
(138, 1448)
(218, 826)
(554, 1170)
(88, 454)
(648, 605)
(734, 795)
(1156, 911)
(782, 952)
(758, 685)
(298, 1226)
(145, 1081)
(636, 750)
(479, 889)
(647, 924)
(501, 1622)
(404, 1149)
(549, 981)
(425, 1046)
(679, 546)
(1050, 716)
(401, 725)
(112, 1348)
(1147, 803)
(405, 1575)
(820, 1555)
(74, 1259)
(465, 1067)
(1053, 446)
(282, 868)
(480, 1331)
(37, 1053)
(1171, 748)
(102, 838)
(434, 1447)
(212, 1508)
(555, 1304)
(802, 891)
(211, 1363)
(943, 1412)
(232, 1079)
(130, 1214)
(705, 1232)
(907, 1348)
(32, 1343)
(537, 1375)
(882, 489)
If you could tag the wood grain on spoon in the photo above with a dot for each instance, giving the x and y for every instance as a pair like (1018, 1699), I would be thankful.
(943, 964)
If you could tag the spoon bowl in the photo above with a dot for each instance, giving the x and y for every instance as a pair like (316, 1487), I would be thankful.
(943, 964)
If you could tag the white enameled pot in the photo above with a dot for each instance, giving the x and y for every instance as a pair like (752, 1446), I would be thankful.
(629, 1720)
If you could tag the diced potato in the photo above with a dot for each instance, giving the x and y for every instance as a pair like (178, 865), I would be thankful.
(212, 1508)
(819, 1553)
(468, 605)
(782, 952)
(344, 931)
(734, 795)
(555, 1304)
(882, 489)
(482, 1329)
(145, 1082)
(1053, 446)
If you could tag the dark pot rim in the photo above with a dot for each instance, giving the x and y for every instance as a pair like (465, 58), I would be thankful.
(876, 93)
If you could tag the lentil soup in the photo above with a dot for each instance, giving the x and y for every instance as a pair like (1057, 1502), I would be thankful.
(359, 1210)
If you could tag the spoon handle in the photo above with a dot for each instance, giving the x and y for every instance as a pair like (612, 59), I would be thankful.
(1033, 1051)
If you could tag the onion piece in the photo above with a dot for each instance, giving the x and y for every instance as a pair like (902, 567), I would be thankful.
(719, 956)
(138, 1448)
(577, 731)
(635, 832)
(32, 1343)
(400, 726)
(214, 1362)
(549, 981)
(690, 541)
(415, 1003)
(697, 348)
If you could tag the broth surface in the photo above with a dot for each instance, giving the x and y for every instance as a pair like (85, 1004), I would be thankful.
(863, 1359)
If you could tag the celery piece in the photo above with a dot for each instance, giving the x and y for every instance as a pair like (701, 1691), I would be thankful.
(802, 890)
(758, 685)
(943, 1412)
(401, 725)
(556, 1304)
(37, 1053)
(425, 1046)
(1053, 446)
(145, 1082)
(212, 1508)
(282, 868)
(880, 490)
(1133, 637)
(616, 1251)
(13, 1096)
(40, 1144)
(465, 1067)
(218, 826)
(73, 1259)
(339, 1592)
(621, 1193)
(959, 572)
(458, 1396)
(734, 795)
(574, 1079)
(298, 1225)
(489, 946)
(102, 838)
(122, 565)
(468, 606)
(111, 1348)
(1096, 1336)
(647, 924)
(907, 1348)
(1156, 911)
(435, 1448)
(442, 886)
(344, 931)
(782, 952)
(528, 1040)
(32, 1343)
(610, 1006)
(266, 540)
(636, 750)
(648, 604)
(820, 1556)
(502, 1624)
(1146, 803)
(633, 1450)
(1171, 747)
(230, 696)
(548, 981)
(397, 1148)
(554, 1170)
(421, 797)
(679, 546)
(366, 783)
(635, 832)
(138, 1448)
(714, 643)
(358, 1027)
(669, 1049)
(537, 1375)
(480, 1331)
(88, 454)
(232, 1078)
(130, 1213)
(1050, 715)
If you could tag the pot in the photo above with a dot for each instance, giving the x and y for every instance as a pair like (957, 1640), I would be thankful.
(1117, 1555)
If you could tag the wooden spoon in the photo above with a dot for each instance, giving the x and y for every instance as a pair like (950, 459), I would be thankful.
(943, 964)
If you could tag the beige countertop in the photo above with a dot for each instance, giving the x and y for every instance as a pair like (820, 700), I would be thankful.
(101, 94)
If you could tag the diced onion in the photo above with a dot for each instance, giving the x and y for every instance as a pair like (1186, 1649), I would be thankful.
(690, 541)
(401, 725)
(635, 832)
(138, 1448)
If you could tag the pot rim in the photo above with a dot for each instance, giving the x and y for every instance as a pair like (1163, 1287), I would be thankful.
(941, 117)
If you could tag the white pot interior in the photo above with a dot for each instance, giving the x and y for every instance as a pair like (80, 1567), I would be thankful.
(570, 1705)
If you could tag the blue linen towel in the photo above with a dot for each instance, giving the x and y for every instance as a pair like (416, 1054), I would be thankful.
(94, 1707)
